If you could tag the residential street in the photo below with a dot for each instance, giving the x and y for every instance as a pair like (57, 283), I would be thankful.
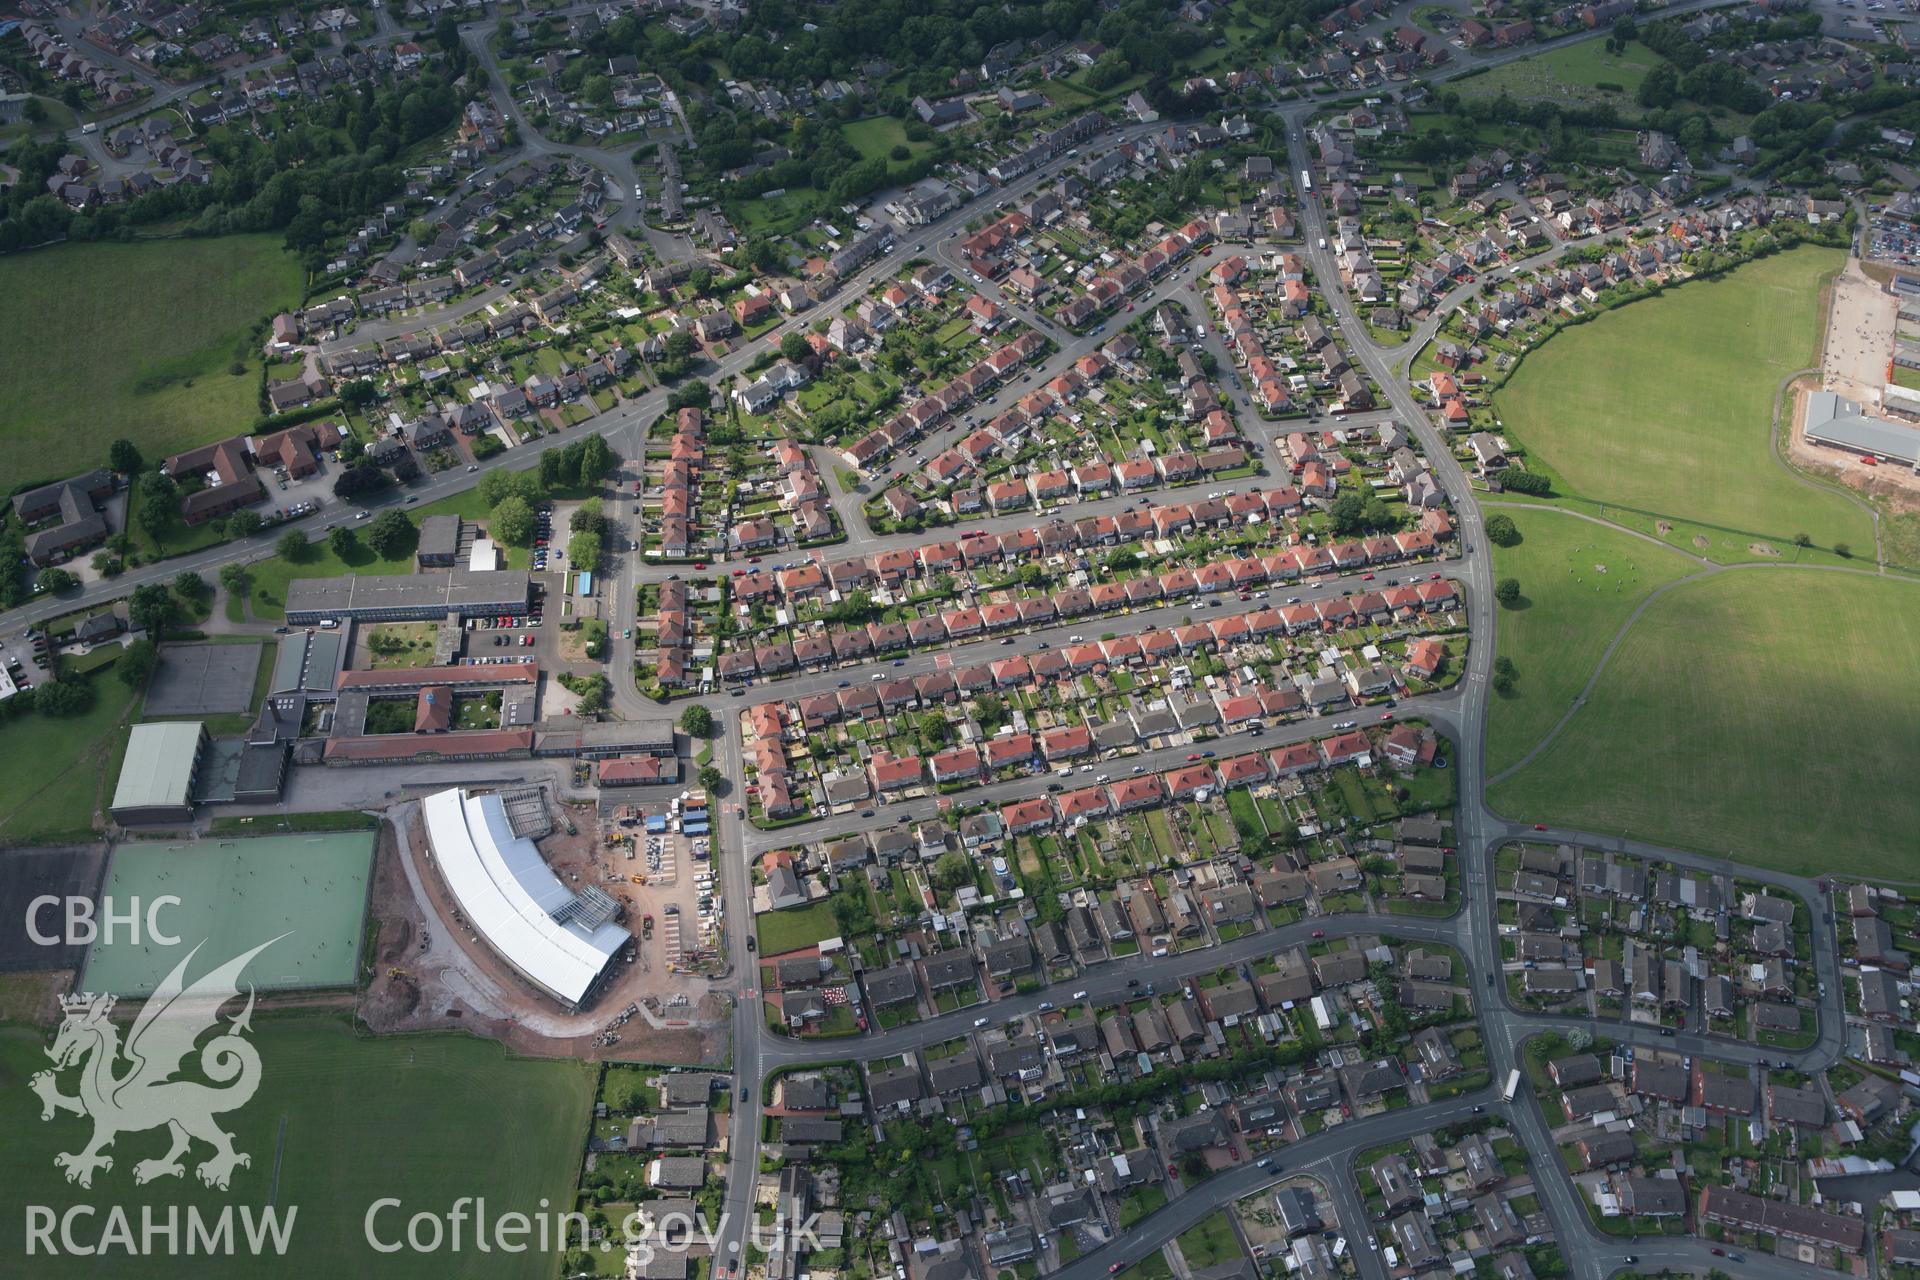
(1460, 713)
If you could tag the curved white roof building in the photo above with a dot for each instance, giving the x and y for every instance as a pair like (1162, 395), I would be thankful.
(558, 940)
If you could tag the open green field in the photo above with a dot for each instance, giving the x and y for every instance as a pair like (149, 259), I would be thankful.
(1572, 73)
(132, 340)
(876, 137)
(57, 767)
(777, 216)
(307, 891)
(339, 1122)
(1665, 406)
(1579, 582)
(1770, 714)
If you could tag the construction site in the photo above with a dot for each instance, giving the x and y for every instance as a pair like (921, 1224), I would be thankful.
(636, 878)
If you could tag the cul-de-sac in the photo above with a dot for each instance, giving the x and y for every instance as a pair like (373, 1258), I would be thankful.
(959, 639)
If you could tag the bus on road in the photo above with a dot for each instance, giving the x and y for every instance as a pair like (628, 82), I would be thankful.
(1513, 1086)
(1306, 182)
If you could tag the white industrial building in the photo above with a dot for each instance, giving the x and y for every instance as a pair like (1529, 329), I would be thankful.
(560, 941)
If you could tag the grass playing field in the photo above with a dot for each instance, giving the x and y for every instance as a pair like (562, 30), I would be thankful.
(1770, 714)
(57, 767)
(1665, 405)
(339, 1122)
(1579, 582)
(132, 340)
(309, 891)
(1570, 74)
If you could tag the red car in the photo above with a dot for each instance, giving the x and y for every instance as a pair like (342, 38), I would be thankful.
(1366, 577)
(1386, 715)
(753, 559)
(739, 573)
(1114, 1270)
(1539, 826)
(1719, 1253)
(1193, 755)
(1173, 1170)
(1233, 1152)
(1433, 577)
(1319, 933)
(700, 564)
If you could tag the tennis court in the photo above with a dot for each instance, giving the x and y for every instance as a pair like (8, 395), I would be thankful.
(203, 679)
(235, 895)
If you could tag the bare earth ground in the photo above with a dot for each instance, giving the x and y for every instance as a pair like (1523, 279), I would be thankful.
(1859, 338)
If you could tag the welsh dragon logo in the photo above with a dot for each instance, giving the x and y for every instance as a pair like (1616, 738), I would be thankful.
(130, 1088)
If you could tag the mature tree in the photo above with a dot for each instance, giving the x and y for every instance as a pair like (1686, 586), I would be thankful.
(293, 545)
(189, 585)
(710, 778)
(156, 521)
(359, 393)
(990, 709)
(592, 459)
(553, 469)
(57, 579)
(593, 695)
(158, 499)
(934, 729)
(236, 579)
(588, 517)
(1354, 512)
(123, 456)
(360, 479)
(243, 523)
(680, 346)
(151, 608)
(341, 542)
(1842, 550)
(391, 534)
(693, 395)
(495, 485)
(136, 663)
(1501, 531)
(68, 696)
(1528, 482)
(1507, 591)
(512, 521)
(584, 550)
(697, 721)
(951, 870)
(794, 347)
